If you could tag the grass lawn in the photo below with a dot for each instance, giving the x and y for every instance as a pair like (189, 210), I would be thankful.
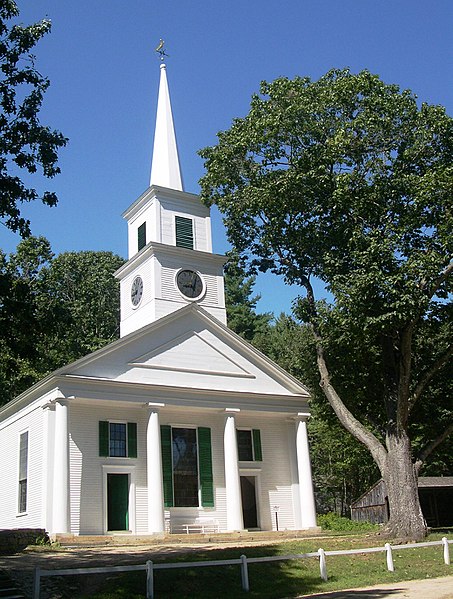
(276, 580)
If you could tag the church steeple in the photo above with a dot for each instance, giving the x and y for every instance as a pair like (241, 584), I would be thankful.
(165, 169)
(171, 263)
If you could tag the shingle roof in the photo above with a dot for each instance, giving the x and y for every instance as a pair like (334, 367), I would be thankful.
(435, 481)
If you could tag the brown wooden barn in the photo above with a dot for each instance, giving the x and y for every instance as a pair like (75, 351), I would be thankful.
(436, 499)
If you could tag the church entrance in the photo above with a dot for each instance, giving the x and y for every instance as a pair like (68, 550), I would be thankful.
(249, 508)
(117, 502)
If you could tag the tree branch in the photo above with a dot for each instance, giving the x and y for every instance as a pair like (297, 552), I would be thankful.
(438, 365)
(347, 419)
(430, 447)
(438, 282)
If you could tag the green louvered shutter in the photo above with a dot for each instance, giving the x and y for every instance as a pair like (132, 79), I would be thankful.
(205, 461)
(257, 445)
(103, 438)
(184, 232)
(167, 466)
(141, 236)
(132, 439)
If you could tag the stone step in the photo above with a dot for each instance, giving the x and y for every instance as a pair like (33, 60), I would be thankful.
(69, 540)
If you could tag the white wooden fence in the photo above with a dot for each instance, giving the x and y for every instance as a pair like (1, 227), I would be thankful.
(243, 562)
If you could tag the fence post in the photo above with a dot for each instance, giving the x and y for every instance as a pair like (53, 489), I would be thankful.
(388, 549)
(244, 574)
(36, 582)
(322, 564)
(446, 551)
(149, 580)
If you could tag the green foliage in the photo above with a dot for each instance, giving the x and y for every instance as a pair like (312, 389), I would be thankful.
(350, 180)
(25, 144)
(334, 522)
(240, 305)
(52, 310)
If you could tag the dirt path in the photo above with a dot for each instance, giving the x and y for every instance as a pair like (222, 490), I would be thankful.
(435, 588)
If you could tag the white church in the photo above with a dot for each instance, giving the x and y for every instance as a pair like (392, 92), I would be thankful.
(178, 426)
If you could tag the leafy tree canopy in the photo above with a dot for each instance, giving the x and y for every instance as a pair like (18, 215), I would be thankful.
(25, 143)
(349, 180)
(53, 310)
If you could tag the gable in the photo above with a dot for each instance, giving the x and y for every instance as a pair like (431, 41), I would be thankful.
(188, 349)
(190, 352)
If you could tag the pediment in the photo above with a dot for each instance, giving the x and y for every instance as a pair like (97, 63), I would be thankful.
(189, 352)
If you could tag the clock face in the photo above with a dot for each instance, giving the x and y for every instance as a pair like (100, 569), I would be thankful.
(136, 291)
(190, 283)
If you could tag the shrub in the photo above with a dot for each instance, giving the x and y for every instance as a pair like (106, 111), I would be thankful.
(332, 521)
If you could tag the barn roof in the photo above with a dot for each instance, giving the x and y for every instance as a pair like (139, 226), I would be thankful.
(435, 481)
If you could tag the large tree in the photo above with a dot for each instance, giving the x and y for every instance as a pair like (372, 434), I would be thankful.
(350, 180)
(25, 143)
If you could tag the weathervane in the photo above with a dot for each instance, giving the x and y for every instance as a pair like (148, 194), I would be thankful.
(160, 49)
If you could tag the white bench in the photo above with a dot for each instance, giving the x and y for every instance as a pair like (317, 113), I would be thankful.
(199, 526)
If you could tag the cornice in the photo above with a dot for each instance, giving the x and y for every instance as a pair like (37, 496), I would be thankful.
(153, 248)
(154, 191)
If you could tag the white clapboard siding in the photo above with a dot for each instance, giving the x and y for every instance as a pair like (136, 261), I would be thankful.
(87, 492)
(274, 486)
(87, 478)
(30, 419)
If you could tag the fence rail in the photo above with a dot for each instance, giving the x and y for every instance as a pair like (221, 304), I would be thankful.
(243, 562)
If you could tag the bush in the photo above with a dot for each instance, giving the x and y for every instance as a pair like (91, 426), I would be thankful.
(332, 521)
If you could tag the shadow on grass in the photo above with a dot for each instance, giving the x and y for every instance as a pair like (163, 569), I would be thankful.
(269, 580)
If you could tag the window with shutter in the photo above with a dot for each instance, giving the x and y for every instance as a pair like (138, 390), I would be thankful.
(167, 466)
(117, 439)
(131, 439)
(187, 466)
(257, 445)
(141, 236)
(249, 445)
(205, 462)
(184, 232)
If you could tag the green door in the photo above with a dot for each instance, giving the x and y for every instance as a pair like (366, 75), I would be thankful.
(117, 501)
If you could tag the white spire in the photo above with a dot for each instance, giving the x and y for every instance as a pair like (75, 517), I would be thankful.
(165, 169)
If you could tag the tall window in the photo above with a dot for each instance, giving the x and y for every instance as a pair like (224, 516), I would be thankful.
(23, 472)
(184, 232)
(185, 467)
(118, 440)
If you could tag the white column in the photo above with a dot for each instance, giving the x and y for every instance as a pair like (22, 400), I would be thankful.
(307, 499)
(232, 481)
(156, 522)
(60, 516)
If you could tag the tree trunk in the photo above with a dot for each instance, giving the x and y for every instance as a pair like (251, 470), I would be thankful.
(406, 521)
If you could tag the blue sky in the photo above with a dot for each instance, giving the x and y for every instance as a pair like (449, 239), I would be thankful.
(104, 79)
